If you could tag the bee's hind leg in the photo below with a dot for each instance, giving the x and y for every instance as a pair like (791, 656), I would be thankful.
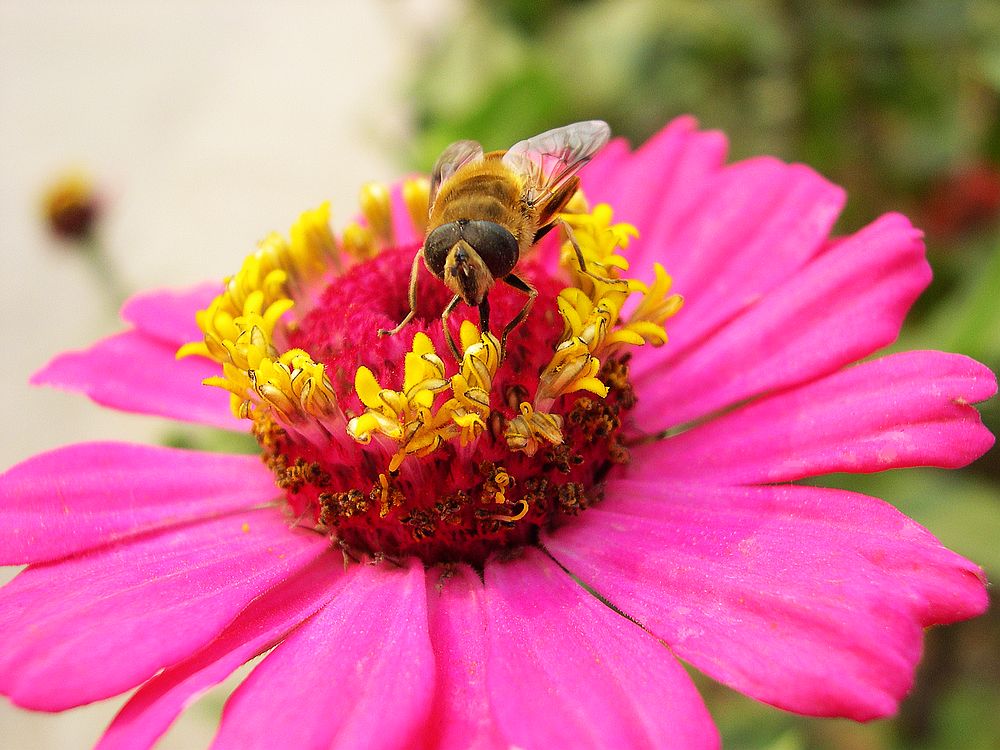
(412, 297)
(568, 230)
(522, 286)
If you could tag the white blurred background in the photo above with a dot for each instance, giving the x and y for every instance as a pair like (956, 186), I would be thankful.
(206, 125)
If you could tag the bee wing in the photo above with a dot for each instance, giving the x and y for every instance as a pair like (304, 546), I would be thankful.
(548, 160)
(454, 157)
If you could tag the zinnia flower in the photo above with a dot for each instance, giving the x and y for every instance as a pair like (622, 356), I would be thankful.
(513, 550)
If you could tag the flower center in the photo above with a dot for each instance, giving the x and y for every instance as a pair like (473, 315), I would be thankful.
(394, 450)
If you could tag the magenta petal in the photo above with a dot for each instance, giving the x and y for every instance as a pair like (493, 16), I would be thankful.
(810, 599)
(82, 496)
(404, 232)
(461, 718)
(909, 409)
(678, 161)
(566, 671)
(755, 224)
(844, 305)
(136, 373)
(596, 177)
(360, 674)
(265, 622)
(89, 627)
(168, 314)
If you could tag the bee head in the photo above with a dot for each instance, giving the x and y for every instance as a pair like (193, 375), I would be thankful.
(469, 255)
(466, 274)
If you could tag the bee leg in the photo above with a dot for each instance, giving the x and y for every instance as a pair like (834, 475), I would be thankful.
(579, 257)
(484, 315)
(522, 286)
(447, 331)
(412, 297)
(572, 240)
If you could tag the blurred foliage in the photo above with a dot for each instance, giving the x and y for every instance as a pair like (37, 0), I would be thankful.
(897, 101)
(211, 440)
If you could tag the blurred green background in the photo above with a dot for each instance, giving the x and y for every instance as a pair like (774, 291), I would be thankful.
(896, 101)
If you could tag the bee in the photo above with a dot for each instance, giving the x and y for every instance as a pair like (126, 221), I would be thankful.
(487, 210)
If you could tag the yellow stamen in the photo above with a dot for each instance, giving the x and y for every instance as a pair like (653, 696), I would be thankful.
(407, 417)
(383, 510)
(401, 415)
(239, 325)
(242, 333)
(502, 480)
(359, 242)
(592, 328)
(526, 432)
(376, 206)
(313, 244)
(416, 195)
(510, 519)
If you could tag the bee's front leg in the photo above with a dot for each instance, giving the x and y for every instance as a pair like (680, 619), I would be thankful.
(484, 315)
(522, 286)
(412, 297)
(447, 331)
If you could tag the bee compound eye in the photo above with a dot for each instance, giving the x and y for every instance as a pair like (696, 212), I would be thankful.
(495, 244)
(437, 246)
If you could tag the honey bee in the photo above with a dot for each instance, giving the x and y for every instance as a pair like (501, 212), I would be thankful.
(487, 210)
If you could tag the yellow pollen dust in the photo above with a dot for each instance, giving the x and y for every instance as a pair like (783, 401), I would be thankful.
(243, 332)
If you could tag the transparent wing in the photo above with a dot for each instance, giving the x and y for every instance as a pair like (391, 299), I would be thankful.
(452, 158)
(547, 160)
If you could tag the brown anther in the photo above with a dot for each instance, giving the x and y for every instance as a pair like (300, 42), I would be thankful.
(514, 395)
(449, 508)
(618, 452)
(386, 495)
(268, 434)
(596, 418)
(615, 375)
(561, 458)
(337, 505)
(301, 472)
(572, 498)
(421, 522)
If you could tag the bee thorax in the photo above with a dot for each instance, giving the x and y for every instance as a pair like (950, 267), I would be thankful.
(466, 274)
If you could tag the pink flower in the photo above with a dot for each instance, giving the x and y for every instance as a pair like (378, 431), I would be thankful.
(448, 611)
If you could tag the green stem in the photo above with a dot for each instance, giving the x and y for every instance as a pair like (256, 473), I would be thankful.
(103, 268)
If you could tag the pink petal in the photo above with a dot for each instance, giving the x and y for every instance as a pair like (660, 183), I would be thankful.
(844, 305)
(92, 626)
(754, 224)
(813, 600)
(461, 718)
(136, 373)
(680, 162)
(82, 496)
(168, 314)
(565, 671)
(909, 409)
(265, 622)
(404, 232)
(360, 674)
(595, 177)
